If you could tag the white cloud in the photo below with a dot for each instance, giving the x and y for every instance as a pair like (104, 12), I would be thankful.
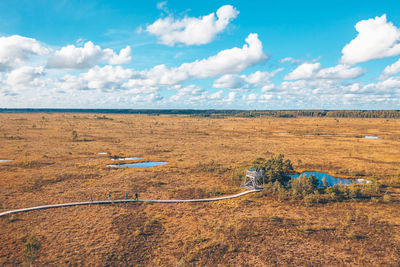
(232, 60)
(190, 93)
(228, 61)
(24, 76)
(72, 57)
(376, 38)
(107, 78)
(340, 72)
(124, 56)
(290, 60)
(304, 71)
(216, 95)
(150, 98)
(161, 5)
(15, 50)
(252, 97)
(391, 70)
(390, 83)
(243, 82)
(259, 78)
(315, 71)
(111, 78)
(192, 31)
(231, 97)
(230, 81)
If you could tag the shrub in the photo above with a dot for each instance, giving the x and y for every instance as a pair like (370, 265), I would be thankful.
(13, 218)
(303, 185)
(387, 198)
(31, 248)
(355, 192)
(312, 198)
(74, 135)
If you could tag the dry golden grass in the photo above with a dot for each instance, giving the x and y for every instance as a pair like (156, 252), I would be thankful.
(50, 167)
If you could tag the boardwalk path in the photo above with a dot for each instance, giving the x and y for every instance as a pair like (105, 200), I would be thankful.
(125, 201)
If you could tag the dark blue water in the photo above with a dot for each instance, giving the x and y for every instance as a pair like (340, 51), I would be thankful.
(330, 180)
(149, 164)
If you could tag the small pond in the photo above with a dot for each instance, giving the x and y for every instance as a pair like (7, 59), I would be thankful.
(4, 160)
(121, 159)
(102, 153)
(371, 137)
(330, 180)
(149, 164)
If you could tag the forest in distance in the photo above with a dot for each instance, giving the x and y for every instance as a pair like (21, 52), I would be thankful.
(393, 114)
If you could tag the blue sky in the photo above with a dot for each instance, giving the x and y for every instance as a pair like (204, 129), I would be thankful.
(200, 54)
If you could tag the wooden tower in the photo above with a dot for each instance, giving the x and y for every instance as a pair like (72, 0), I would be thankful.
(254, 178)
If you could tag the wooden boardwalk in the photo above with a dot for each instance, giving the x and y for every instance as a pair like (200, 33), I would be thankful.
(105, 202)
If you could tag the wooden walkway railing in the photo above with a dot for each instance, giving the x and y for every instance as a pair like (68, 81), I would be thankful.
(124, 201)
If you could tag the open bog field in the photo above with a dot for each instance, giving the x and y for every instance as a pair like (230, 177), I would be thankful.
(54, 159)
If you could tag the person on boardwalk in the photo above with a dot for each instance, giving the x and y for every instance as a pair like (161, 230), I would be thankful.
(91, 198)
(109, 196)
(136, 196)
(126, 195)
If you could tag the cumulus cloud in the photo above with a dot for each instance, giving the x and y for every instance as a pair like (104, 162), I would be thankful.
(111, 78)
(72, 57)
(230, 81)
(231, 97)
(24, 76)
(124, 56)
(15, 50)
(232, 60)
(229, 61)
(377, 38)
(107, 78)
(340, 72)
(391, 70)
(192, 31)
(258, 79)
(150, 98)
(390, 83)
(315, 71)
(190, 93)
(216, 95)
(304, 71)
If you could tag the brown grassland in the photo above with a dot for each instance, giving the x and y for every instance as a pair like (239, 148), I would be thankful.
(203, 153)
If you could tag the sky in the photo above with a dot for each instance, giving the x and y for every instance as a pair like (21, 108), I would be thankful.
(200, 54)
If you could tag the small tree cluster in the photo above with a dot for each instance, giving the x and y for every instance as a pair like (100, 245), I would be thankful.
(276, 169)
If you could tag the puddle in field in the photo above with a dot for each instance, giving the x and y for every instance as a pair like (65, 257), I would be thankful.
(330, 180)
(102, 153)
(149, 164)
(122, 159)
(4, 160)
(371, 137)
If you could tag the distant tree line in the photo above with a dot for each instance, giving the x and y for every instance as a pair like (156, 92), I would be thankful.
(395, 114)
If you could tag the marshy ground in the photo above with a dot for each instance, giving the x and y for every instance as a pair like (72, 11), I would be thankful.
(55, 160)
